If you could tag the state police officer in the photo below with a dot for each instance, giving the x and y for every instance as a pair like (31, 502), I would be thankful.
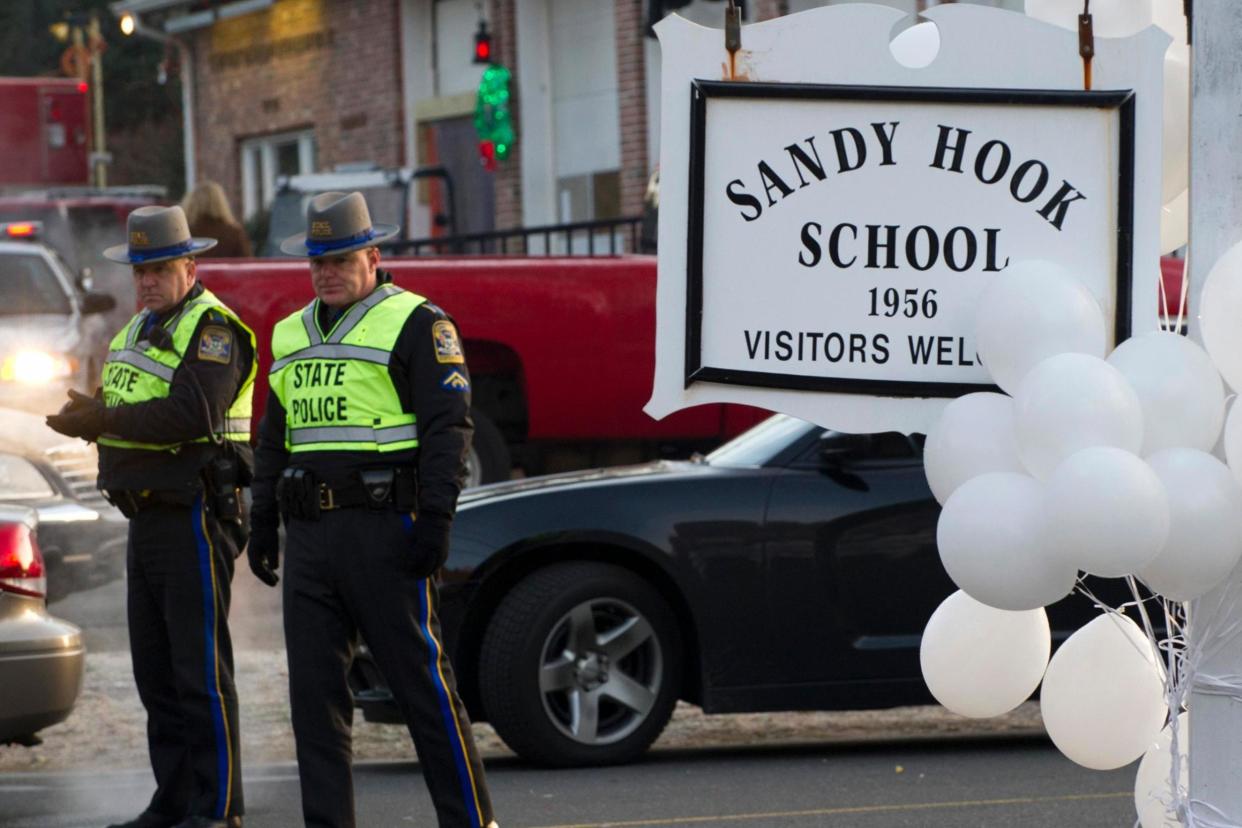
(361, 450)
(173, 428)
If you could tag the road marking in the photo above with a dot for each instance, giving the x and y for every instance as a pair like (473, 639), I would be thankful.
(857, 809)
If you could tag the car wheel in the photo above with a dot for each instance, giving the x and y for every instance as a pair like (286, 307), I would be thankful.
(487, 459)
(580, 665)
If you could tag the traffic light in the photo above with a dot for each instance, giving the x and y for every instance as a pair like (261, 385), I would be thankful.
(482, 44)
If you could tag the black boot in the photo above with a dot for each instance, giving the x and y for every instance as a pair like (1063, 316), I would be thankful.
(208, 822)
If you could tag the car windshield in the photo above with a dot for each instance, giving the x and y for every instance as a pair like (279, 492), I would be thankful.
(28, 285)
(757, 446)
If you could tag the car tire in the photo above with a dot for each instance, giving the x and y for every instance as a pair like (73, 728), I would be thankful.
(487, 459)
(568, 640)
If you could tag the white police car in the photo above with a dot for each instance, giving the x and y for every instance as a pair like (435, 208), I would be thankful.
(52, 334)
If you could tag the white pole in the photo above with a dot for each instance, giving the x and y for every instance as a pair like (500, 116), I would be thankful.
(1215, 225)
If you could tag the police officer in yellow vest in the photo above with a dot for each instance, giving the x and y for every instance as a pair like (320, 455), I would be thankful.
(173, 430)
(361, 450)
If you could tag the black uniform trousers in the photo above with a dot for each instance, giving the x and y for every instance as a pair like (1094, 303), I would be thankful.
(347, 573)
(180, 568)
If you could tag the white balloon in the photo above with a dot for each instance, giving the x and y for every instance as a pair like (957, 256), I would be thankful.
(1220, 308)
(1178, 387)
(1070, 402)
(1103, 697)
(1033, 310)
(1109, 18)
(989, 541)
(1176, 143)
(916, 46)
(1175, 223)
(1233, 439)
(1153, 793)
(979, 661)
(974, 435)
(1106, 512)
(1205, 524)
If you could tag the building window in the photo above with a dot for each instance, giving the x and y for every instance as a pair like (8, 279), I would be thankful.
(589, 196)
(265, 159)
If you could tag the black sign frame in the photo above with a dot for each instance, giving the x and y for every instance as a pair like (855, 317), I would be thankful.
(1122, 101)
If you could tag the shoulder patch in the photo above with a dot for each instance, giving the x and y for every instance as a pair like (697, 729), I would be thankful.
(215, 344)
(448, 346)
(455, 381)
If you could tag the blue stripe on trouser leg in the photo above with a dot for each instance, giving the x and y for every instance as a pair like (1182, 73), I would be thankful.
(452, 725)
(207, 575)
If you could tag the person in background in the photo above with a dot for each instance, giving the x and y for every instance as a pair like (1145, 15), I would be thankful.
(207, 210)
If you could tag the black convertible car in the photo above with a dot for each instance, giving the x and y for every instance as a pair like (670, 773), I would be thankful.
(791, 569)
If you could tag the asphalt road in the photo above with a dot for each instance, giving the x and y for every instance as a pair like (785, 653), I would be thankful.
(985, 784)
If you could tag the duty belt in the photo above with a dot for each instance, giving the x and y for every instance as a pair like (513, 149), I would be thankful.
(133, 501)
(303, 495)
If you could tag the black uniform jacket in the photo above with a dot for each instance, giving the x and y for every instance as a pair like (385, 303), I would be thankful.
(181, 416)
(442, 409)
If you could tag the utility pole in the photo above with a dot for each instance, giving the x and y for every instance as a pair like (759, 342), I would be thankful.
(1215, 225)
(99, 156)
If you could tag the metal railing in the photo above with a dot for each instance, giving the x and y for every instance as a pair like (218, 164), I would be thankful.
(601, 237)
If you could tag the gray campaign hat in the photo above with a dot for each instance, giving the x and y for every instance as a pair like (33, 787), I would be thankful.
(157, 234)
(337, 223)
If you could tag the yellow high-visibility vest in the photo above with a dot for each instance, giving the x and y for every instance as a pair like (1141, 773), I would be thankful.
(335, 386)
(135, 371)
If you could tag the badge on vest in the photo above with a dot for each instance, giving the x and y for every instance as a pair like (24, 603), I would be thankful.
(455, 381)
(215, 344)
(448, 347)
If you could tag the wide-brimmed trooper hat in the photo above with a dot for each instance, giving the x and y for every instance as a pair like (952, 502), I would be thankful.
(337, 223)
(157, 234)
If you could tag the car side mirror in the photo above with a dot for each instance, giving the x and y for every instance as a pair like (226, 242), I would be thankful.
(95, 302)
(836, 456)
(86, 279)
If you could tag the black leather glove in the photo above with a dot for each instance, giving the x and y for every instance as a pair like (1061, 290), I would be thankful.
(263, 552)
(431, 543)
(82, 416)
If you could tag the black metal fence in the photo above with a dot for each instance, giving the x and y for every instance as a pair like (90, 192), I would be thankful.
(602, 237)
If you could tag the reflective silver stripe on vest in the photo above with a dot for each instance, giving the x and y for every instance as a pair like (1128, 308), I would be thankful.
(308, 322)
(142, 362)
(359, 310)
(237, 424)
(136, 327)
(352, 434)
(359, 352)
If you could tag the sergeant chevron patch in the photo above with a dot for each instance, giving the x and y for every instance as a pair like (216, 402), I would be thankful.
(455, 381)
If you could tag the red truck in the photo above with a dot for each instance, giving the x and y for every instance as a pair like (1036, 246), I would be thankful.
(561, 353)
(44, 132)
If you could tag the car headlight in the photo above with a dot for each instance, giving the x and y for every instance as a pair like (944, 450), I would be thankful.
(36, 367)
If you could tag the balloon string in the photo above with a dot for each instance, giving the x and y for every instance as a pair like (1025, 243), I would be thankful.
(1184, 655)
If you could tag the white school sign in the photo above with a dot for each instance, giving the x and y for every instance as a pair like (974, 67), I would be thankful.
(829, 222)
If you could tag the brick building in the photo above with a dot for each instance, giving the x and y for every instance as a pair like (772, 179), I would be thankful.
(282, 87)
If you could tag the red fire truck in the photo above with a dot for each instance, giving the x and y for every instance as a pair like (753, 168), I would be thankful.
(44, 132)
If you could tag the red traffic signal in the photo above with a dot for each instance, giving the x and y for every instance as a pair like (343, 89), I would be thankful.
(482, 44)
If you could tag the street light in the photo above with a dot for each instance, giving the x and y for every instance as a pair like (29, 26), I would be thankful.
(132, 25)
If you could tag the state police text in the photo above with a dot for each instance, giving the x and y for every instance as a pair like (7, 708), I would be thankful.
(325, 406)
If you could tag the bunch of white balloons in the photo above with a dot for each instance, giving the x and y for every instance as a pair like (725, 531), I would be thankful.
(1122, 18)
(1092, 462)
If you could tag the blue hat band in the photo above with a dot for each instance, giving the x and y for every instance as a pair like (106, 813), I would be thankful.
(320, 248)
(140, 256)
